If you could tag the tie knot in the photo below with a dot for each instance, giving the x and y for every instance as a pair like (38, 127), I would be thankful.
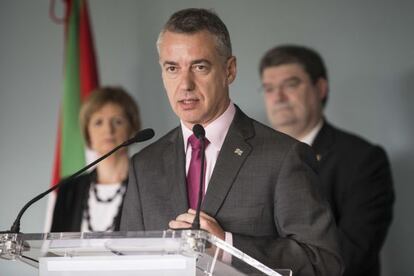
(196, 143)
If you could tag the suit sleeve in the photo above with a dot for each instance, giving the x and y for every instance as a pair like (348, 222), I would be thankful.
(370, 195)
(307, 241)
(131, 218)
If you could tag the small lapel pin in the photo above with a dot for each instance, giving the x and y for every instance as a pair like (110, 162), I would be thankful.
(318, 157)
(238, 151)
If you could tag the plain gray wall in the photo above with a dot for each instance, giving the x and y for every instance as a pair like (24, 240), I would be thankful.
(368, 47)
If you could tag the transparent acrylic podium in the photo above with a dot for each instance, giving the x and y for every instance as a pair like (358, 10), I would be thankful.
(172, 253)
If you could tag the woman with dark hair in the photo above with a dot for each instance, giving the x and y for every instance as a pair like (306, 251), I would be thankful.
(93, 201)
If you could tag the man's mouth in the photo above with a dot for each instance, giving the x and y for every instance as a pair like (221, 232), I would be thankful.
(280, 107)
(188, 101)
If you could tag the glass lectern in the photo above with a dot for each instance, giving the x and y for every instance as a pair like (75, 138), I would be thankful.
(172, 253)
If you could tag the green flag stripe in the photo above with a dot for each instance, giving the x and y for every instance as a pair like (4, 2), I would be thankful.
(72, 147)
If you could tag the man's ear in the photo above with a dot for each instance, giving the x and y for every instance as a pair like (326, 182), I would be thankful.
(323, 88)
(231, 68)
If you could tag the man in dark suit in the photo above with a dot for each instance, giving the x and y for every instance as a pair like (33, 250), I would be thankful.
(356, 177)
(260, 185)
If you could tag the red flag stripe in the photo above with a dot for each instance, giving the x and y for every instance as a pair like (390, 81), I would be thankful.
(88, 68)
(56, 166)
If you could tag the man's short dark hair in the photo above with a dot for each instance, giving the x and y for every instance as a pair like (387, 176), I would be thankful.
(190, 21)
(309, 59)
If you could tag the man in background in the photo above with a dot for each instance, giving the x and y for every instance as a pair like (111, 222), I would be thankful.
(355, 174)
(260, 186)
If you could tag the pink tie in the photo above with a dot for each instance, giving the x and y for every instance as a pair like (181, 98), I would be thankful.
(194, 171)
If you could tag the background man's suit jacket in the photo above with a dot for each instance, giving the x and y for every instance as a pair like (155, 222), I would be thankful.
(356, 178)
(267, 197)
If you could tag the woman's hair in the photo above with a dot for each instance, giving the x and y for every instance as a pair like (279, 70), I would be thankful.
(109, 95)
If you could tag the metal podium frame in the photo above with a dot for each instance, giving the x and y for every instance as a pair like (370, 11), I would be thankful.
(153, 253)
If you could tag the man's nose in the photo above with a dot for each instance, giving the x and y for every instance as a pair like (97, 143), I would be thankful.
(187, 81)
(277, 94)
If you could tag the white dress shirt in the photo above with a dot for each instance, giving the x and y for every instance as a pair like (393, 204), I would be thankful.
(310, 137)
(216, 132)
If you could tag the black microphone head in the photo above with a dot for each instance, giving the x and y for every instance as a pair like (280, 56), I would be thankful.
(142, 135)
(199, 131)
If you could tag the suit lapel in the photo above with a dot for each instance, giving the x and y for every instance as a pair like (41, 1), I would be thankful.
(174, 161)
(232, 155)
(324, 141)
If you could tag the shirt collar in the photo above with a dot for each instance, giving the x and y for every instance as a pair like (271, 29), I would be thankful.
(216, 131)
(310, 137)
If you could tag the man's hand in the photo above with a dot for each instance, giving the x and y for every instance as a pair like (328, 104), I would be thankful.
(206, 223)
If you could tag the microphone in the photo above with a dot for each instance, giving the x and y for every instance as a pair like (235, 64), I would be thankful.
(140, 136)
(200, 134)
(199, 131)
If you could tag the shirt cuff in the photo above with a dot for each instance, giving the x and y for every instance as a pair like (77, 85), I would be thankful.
(228, 238)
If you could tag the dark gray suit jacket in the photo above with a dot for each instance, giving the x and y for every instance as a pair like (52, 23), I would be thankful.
(267, 197)
(356, 179)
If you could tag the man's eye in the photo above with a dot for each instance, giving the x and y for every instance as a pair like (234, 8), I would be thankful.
(268, 89)
(292, 84)
(171, 69)
(200, 68)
